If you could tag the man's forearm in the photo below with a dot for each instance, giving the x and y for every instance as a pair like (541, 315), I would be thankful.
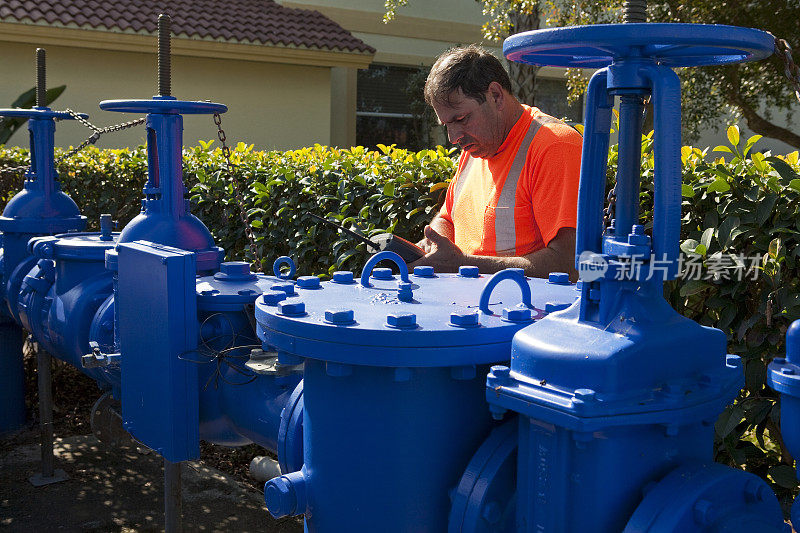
(558, 256)
(538, 264)
(443, 227)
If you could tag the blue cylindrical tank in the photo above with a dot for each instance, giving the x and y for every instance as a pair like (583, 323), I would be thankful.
(392, 390)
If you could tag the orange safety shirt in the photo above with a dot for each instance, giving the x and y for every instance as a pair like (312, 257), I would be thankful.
(514, 202)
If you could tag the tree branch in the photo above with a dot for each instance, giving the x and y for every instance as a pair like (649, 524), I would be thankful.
(760, 125)
(756, 122)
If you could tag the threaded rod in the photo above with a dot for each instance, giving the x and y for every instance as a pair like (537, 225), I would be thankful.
(164, 56)
(635, 11)
(41, 78)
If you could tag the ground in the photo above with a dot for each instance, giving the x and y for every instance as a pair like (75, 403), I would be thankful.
(119, 489)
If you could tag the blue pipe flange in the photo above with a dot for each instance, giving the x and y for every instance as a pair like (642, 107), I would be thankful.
(290, 433)
(485, 499)
(708, 498)
(442, 316)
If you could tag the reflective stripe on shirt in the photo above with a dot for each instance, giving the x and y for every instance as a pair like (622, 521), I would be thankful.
(504, 223)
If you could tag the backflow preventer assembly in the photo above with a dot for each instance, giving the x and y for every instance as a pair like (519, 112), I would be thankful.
(414, 401)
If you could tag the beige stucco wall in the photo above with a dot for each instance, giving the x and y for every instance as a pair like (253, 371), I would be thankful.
(274, 106)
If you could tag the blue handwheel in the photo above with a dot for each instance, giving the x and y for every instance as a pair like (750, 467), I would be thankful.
(163, 104)
(38, 112)
(674, 45)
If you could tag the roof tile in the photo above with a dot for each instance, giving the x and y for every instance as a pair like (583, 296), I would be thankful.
(257, 21)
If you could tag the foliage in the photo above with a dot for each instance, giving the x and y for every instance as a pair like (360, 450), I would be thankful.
(750, 90)
(370, 191)
(747, 206)
(753, 91)
(10, 125)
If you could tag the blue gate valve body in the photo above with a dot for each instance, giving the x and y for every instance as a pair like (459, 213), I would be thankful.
(40, 208)
(393, 387)
(242, 394)
(619, 393)
(63, 299)
(165, 217)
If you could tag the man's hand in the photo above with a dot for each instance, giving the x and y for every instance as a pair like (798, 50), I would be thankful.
(425, 244)
(441, 253)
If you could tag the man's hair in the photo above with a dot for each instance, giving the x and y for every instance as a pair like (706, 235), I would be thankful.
(469, 68)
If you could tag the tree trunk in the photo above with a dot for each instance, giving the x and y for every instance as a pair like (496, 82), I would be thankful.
(762, 126)
(523, 77)
(756, 122)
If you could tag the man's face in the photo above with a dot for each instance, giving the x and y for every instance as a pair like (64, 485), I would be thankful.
(475, 127)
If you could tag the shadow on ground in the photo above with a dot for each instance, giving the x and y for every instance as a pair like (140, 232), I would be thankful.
(121, 489)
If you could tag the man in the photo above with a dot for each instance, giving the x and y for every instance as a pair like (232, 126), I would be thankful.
(513, 200)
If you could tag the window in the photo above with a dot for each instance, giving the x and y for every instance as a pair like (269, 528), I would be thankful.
(551, 97)
(390, 108)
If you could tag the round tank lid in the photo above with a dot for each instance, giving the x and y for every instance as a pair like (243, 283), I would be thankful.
(425, 321)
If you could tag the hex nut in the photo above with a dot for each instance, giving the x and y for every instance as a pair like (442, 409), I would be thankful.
(401, 320)
(291, 308)
(468, 271)
(308, 282)
(339, 316)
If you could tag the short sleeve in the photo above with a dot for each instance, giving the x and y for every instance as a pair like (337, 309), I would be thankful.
(555, 188)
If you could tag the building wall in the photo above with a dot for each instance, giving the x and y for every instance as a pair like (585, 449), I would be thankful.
(271, 105)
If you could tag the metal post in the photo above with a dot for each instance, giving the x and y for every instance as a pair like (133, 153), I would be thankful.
(173, 503)
(48, 474)
(45, 375)
(12, 378)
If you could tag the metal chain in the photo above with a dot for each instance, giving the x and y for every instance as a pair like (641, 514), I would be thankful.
(784, 52)
(230, 168)
(97, 132)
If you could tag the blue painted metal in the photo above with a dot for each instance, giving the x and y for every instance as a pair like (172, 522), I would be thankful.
(672, 45)
(783, 376)
(700, 497)
(290, 432)
(40, 208)
(385, 273)
(61, 295)
(619, 386)
(284, 260)
(392, 391)
(237, 404)
(165, 216)
(156, 294)
(484, 499)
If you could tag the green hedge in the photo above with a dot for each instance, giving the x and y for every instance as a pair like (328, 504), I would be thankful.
(747, 206)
